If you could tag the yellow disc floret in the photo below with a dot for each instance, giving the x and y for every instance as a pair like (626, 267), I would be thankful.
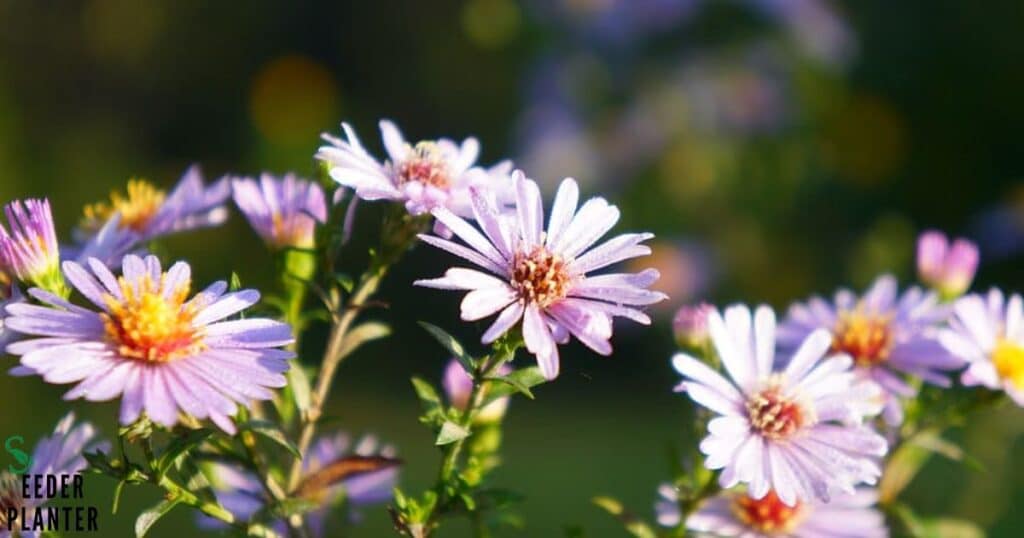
(137, 208)
(1008, 358)
(152, 322)
(866, 337)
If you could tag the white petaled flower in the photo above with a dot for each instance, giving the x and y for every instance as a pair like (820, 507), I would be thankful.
(541, 277)
(423, 176)
(734, 514)
(795, 430)
(988, 333)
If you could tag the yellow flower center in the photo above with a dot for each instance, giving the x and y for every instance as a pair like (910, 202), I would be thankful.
(426, 165)
(540, 276)
(866, 338)
(152, 323)
(776, 416)
(1008, 358)
(137, 208)
(768, 515)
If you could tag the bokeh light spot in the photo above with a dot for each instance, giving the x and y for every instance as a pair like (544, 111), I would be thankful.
(292, 99)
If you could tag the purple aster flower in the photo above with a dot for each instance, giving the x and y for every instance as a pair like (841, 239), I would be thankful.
(458, 386)
(988, 333)
(794, 430)
(735, 514)
(333, 472)
(29, 250)
(541, 276)
(146, 212)
(149, 343)
(60, 454)
(690, 325)
(424, 176)
(886, 334)
(946, 266)
(284, 212)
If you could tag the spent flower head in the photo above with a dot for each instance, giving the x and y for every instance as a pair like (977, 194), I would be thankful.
(946, 266)
(423, 176)
(988, 333)
(29, 250)
(144, 339)
(283, 211)
(795, 430)
(541, 276)
(886, 334)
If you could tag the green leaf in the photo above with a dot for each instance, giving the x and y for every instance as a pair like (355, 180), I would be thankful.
(271, 431)
(181, 446)
(299, 383)
(453, 346)
(429, 399)
(117, 496)
(450, 433)
(345, 281)
(257, 530)
(235, 283)
(950, 528)
(633, 526)
(517, 381)
(147, 519)
(367, 332)
(99, 463)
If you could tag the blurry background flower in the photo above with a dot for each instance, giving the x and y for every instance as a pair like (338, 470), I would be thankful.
(802, 144)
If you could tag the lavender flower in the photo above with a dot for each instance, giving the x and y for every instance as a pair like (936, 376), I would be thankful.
(59, 455)
(946, 266)
(885, 334)
(791, 430)
(284, 212)
(690, 325)
(424, 176)
(29, 250)
(162, 353)
(333, 471)
(458, 386)
(988, 333)
(146, 212)
(541, 276)
(735, 514)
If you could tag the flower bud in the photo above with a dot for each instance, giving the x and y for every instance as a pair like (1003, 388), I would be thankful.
(690, 325)
(458, 386)
(29, 250)
(946, 266)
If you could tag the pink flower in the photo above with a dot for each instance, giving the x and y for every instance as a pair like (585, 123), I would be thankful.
(148, 342)
(284, 212)
(540, 277)
(458, 386)
(794, 430)
(690, 325)
(947, 267)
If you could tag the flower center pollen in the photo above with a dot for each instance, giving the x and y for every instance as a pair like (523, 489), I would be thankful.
(540, 276)
(426, 165)
(777, 416)
(1008, 358)
(137, 209)
(152, 323)
(866, 338)
(768, 515)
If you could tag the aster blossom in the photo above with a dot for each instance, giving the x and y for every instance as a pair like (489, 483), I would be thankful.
(60, 454)
(423, 176)
(988, 333)
(541, 276)
(734, 514)
(147, 342)
(947, 266)
(886, 333)
(145, 212)
(333, 471)
(284, 212)
(795, 430)
(29, 250)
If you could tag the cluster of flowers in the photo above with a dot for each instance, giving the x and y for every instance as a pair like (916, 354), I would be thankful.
(794, 431)
(174, 357)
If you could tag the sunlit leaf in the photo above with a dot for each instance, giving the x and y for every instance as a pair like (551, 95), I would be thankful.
(147, 519)
(452, 345)
(450, 433)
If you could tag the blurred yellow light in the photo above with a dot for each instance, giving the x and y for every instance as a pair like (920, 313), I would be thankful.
(292, 99)
(864, 140)
(491, 23)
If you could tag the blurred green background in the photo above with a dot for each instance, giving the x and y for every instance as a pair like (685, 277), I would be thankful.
(777, 147)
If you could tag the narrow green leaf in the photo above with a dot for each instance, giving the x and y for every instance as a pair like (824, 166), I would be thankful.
(429, 399)
(517, 381)
(450, 433)
(147, 519)
(179, 447)
(272, 432)
(367, 332)
(117, 496)
(633, 526)
(299, 383)
(236, 283)
(453, 346)
(345, 281)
